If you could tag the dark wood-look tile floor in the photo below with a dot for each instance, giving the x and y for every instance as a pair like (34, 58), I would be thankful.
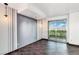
(45, 47)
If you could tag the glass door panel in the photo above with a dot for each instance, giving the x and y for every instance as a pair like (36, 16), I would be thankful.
(57, 30)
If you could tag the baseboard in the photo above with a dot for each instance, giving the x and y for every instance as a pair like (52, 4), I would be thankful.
(44, 39)
(73, 45)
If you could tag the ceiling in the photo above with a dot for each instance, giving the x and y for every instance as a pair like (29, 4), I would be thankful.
(27, 9)
(48, 10)
(57, 9)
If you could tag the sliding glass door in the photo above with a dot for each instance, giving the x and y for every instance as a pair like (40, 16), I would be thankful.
(57, 30)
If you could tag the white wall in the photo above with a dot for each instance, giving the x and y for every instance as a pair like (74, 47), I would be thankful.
(42, 31)
(39, 29)
(74, 28)
(3, 32)
(45, 28)
(6, 34)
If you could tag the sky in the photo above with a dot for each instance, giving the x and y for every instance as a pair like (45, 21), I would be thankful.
(57, 24)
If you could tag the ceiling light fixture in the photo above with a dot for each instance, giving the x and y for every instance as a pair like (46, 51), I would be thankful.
(6, 15)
